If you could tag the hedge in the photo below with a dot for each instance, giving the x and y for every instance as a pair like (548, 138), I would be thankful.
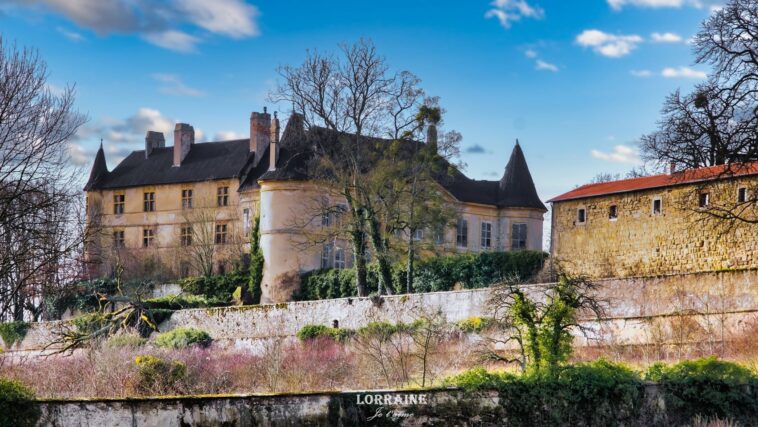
(309, 332)
(17, 405)
(605, 393)
(13, 332)
(182, 338)
(469, 271)
(217, 290)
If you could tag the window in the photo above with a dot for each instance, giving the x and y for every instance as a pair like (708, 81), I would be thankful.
(118, 203)
(657, 206)
(326, 255)
(246, 221)
(187, 198)
(518, 237)
(220, 234)
(418, 234)
(185, 235)
(326, 219)
(439, 235)
(339, 258)
(742, 195)
(149, 198)
(703, 200)
(461, 238)
(486, 241)
(222, 196)
(613, 212)
(118, 239)
(581, 215)
(148, 237)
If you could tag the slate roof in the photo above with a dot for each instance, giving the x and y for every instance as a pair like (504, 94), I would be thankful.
(687, 176)
(231, 159)
(205, 161)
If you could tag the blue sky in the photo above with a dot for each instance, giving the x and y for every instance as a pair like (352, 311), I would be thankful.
(577, 82)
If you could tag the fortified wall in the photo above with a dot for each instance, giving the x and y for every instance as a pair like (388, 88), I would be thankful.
(638, 240)
(727, 300)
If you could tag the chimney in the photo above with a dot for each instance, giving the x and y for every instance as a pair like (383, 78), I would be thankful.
(274, 152)
(672, 167)
(260, 134)
(153, 140)
(431, 136)
(184, 137)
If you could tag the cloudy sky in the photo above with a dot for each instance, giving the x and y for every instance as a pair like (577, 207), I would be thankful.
(577, 82)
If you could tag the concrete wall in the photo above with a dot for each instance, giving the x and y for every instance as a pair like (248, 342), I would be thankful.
(640, 243)
(632, 303)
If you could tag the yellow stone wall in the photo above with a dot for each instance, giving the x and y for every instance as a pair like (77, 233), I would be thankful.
(167, 220)
(681, 239)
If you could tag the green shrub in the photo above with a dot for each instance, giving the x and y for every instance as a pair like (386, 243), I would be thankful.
(384, 330)
(125, 340)
(157, 375)
(90, 322)
(217, 290)
(474, 324)
(309, 332)
(17, 406)
(598, 393)
(442, 273)
(183, 337)
(708, 387)
(13, 332)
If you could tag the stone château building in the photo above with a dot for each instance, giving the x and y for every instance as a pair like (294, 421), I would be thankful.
(190, 207)
(657, 225)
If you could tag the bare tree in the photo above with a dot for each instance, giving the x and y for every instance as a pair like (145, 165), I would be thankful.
(210, 234)
(40, 231)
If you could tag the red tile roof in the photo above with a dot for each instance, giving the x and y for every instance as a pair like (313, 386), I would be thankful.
(658, 181)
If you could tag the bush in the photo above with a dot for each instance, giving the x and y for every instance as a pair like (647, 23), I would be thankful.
(384, 330)
(309, 332)
(217, 290)
(474, 324)
(708, 387)
(157, 375)
(125, 340)
(443, 273)
(598, 393)
(89, 323)
(13, 332)
(17, 406)
(182, 338)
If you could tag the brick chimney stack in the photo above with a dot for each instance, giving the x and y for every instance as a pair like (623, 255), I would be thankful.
(274, 152)
(184, 137)
(260, 134)
(153, 140)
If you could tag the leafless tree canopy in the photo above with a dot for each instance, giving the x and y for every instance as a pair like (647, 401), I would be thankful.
(39, 197)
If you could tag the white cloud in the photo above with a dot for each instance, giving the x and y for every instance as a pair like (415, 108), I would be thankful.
(610, 45)
(173, 85)
(71, 35)
(509, 11)
(177, 25)
(78, 155)
(173, 40)
(542, 65)
(666, 38)
(620, 154)
(619, 4)
(641, 73)
(530, 53)
(683, 72)
(233, 18)
(228, 135)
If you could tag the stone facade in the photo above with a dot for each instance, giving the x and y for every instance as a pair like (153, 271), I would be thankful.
(258, 178)
(643, 240)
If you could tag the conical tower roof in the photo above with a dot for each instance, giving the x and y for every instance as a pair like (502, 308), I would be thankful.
(516, 188)
(99, 170)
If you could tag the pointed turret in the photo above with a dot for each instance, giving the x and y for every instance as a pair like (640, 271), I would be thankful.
(516, 188)
(294, 132)
(99, 170)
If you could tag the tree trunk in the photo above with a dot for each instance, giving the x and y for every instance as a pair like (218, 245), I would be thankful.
(380, 247)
